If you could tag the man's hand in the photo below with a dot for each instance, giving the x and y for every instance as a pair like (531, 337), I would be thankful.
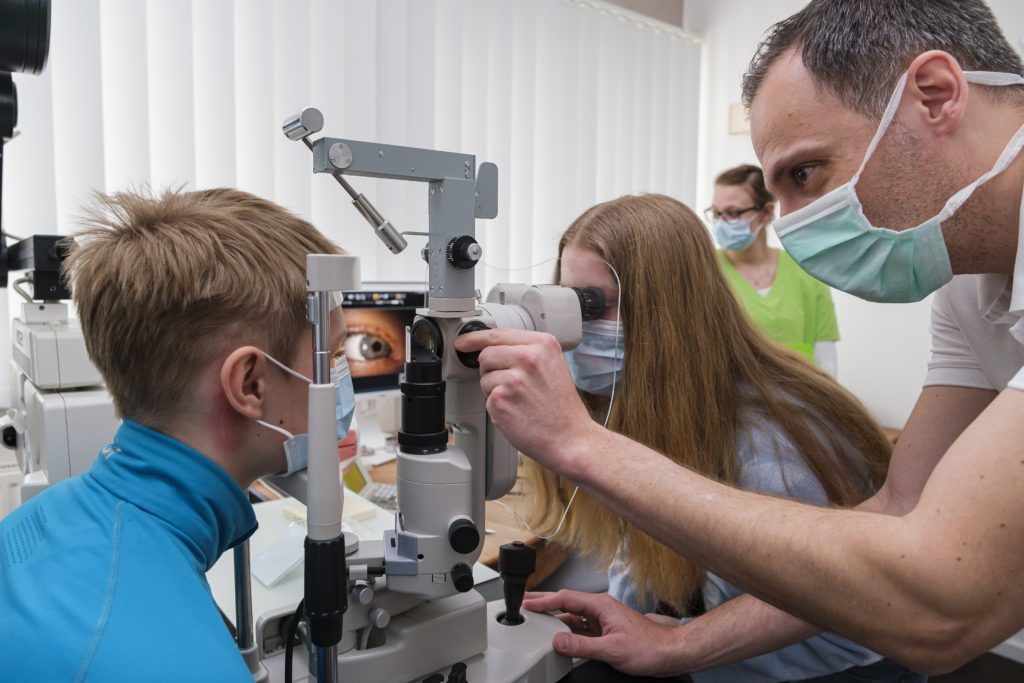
(608, 631)
(530, 396)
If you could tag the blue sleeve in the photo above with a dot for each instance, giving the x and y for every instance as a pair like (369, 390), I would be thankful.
(772, 466)
(622, 587)
(817, 656)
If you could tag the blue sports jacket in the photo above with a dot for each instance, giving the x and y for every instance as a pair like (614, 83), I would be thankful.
(103, 575)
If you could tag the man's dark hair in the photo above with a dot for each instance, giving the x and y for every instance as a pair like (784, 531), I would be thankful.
(858, 49)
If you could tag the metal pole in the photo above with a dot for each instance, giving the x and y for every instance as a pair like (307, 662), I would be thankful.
(327, 664)
(322, 352)
(324, 540)
(243, 597)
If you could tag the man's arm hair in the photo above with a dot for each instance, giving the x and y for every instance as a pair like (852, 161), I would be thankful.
(929, 588)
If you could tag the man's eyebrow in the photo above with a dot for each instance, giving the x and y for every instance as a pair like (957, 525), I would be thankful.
(800, 153)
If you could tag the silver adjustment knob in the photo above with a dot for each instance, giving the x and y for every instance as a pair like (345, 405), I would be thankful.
(362, 595)
(379, 618)
(303, 124)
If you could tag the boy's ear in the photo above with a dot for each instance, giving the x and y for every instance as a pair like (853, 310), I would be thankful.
(243, 379)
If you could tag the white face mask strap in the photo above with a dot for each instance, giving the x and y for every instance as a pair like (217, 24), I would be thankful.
(283, 432)
(280, 430)
(287, 369)
(618, 342)
(993, 78)
(883, 125)
(1009, 154)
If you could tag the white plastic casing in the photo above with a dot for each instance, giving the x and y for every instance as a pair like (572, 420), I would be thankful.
(62, 433)
(60, 410)
(323, 492)
(52, 354)
(332, 273)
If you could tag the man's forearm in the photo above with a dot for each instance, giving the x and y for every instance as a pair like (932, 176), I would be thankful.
(746, 627)
(739, 629)
(812, 562)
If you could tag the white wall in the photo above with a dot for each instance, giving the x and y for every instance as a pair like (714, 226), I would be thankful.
(884, 348)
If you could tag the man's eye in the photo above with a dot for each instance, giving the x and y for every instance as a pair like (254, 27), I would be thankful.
(801, 174)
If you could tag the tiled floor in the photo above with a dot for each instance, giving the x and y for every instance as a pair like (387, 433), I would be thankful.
(988, 668)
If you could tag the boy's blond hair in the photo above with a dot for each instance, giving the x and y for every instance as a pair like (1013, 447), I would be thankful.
(165, 283)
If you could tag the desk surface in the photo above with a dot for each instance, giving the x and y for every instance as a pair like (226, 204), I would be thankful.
(505, 526)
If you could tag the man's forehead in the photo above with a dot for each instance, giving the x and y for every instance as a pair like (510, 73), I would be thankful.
(793, 118)
(785, 102)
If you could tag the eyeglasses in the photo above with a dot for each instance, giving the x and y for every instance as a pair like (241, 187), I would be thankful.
(712, 214)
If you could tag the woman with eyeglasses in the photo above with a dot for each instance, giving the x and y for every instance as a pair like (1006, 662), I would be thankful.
(787, 304)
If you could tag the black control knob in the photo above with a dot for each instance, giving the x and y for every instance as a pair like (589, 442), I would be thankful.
(462, 577)
(463, 536)
(10, 437)
(516, 561)
(592, 302)
(472, 358)
(464, 252)
(458, 673)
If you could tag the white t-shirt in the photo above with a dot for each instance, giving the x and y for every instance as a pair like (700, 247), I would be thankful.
(978, 330)
(974, 335)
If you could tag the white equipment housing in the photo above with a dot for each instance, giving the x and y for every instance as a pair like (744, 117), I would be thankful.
(61, 413)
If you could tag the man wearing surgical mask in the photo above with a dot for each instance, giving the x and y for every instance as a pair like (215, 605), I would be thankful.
(891, 133)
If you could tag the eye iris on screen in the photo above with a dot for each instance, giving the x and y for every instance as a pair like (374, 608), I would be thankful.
(375, 344)
(367, 346)
(372, 347)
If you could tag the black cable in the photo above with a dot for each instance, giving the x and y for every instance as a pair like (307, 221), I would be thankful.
(292, 631)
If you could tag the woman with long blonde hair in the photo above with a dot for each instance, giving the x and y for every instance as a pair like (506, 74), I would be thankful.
(684, 371)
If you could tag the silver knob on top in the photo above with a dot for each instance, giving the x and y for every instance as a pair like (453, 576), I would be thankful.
(303, 124)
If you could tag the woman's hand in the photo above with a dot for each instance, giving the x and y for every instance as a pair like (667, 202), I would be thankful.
(608, 631)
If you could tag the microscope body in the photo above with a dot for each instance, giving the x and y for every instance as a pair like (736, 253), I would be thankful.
(412, 611)
(441, 495)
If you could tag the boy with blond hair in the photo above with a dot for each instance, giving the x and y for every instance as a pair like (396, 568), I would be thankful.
(192, 307)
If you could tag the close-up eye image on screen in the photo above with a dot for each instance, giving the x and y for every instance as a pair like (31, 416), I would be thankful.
(375, 345)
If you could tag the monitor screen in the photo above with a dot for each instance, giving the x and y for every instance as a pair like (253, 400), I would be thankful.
(375, 345)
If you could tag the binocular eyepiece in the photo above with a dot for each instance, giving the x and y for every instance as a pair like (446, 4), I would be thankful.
(592, 302)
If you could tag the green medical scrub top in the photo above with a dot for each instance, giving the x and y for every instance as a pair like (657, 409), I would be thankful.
(797, 312)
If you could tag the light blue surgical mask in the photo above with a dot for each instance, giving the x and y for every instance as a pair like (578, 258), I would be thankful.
(596, 364)
(296, 446)
(833, 241)
(734, 235)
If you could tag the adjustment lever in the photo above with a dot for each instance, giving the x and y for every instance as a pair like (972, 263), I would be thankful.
(516, 561)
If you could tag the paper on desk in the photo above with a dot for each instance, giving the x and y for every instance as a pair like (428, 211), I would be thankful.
(482, 573)
(356, 509)
(281, 556)
(378, 457)
(287, 551)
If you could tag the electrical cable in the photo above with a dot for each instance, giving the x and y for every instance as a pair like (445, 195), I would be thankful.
(291, 631)
(607, 417)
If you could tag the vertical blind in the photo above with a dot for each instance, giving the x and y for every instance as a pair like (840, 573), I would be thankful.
(576, 102)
